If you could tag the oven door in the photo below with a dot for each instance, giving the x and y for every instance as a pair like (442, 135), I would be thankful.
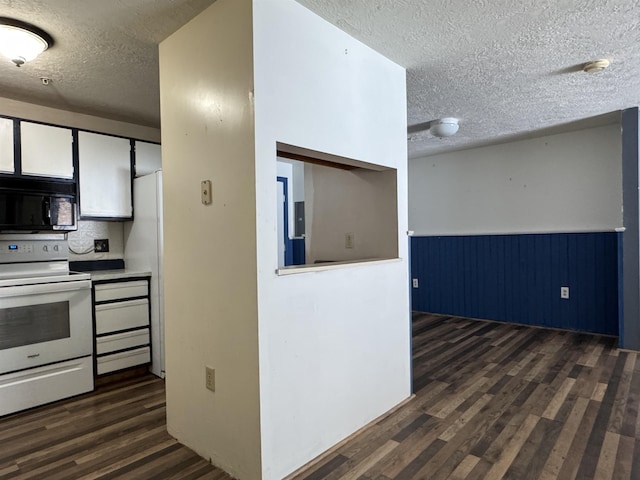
(44, 323)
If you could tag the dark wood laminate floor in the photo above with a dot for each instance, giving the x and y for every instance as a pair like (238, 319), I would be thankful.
(116, 432)
(492, 401)
(497, 401)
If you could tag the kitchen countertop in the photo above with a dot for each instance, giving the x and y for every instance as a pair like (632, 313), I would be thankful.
(117, 274)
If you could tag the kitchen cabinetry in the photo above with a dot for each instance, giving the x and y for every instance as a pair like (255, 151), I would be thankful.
(47, 151)
(148, 158)
(6, 145)
(105, 176)
(122, 324)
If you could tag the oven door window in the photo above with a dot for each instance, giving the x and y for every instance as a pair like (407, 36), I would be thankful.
(28, 325)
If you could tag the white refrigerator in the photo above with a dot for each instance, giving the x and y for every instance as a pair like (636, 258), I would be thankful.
(143, 251)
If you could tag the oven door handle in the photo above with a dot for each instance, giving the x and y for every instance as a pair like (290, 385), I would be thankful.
(56, 287)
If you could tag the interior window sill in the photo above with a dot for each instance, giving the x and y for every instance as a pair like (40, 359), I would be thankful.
(321, 267)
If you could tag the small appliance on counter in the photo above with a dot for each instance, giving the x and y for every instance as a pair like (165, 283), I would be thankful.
(46, 341)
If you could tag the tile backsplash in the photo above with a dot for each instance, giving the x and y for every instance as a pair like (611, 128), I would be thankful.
(81, 241)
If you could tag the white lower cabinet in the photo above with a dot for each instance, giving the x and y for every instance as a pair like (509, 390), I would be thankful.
(126, 359)
(122, 324)
(120, 290)
(118, 316)
(122, 341)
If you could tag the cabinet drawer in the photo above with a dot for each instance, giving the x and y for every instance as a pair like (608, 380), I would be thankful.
(118, 361)
(116, 290)
(120, 341)
(111, 317)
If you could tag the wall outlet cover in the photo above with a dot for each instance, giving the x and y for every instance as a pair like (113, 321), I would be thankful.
(564, 292)
(348, 240)
(101, 245)
(210, 380)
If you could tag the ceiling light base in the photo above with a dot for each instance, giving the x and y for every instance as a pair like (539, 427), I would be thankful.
(21, 42)
(444, 127)
(596, 66)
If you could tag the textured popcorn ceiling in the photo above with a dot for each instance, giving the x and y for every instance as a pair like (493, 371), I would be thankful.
(105, 57)
(506, 68)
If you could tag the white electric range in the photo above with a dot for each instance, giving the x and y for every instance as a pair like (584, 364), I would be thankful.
(46, 328)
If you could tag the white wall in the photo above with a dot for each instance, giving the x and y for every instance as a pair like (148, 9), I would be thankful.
(298, 181)
(570, 182)
(359, 202)
(330, 339)
(206, 82)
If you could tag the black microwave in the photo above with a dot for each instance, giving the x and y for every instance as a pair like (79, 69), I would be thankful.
(37, 205)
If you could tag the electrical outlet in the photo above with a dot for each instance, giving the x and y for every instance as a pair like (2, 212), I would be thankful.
(415, 283)
(210, 381)
(101, 245)
(564, 292)
(348, 240)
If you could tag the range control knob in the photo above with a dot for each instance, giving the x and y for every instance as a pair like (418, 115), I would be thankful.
(55, 248)
(45, 248)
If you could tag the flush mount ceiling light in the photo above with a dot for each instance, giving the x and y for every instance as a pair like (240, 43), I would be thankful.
(21, 42)
(595, 66)
(444, 127)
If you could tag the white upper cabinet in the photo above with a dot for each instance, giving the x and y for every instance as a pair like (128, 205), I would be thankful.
(6, 146)
(105, 176)
(148, 158)
(46, 150)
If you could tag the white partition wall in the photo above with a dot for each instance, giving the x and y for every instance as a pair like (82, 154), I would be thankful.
(302, 360)
(211, 311)
(334, 345)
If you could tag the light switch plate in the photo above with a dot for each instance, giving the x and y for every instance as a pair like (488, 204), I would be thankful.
(205, 192)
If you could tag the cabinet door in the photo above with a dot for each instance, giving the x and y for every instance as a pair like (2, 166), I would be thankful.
(119, 361)
(148, 158)
(118, 316)
(6, 146)
(46, 150)
(105, 176)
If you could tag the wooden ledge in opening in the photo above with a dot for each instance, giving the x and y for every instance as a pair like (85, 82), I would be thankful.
(320, 267)
(306, 155)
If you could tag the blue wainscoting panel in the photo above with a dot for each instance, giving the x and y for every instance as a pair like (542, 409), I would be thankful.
(298, 248)
(517, 278)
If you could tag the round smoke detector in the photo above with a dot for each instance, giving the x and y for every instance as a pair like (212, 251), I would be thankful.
(595, 66)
